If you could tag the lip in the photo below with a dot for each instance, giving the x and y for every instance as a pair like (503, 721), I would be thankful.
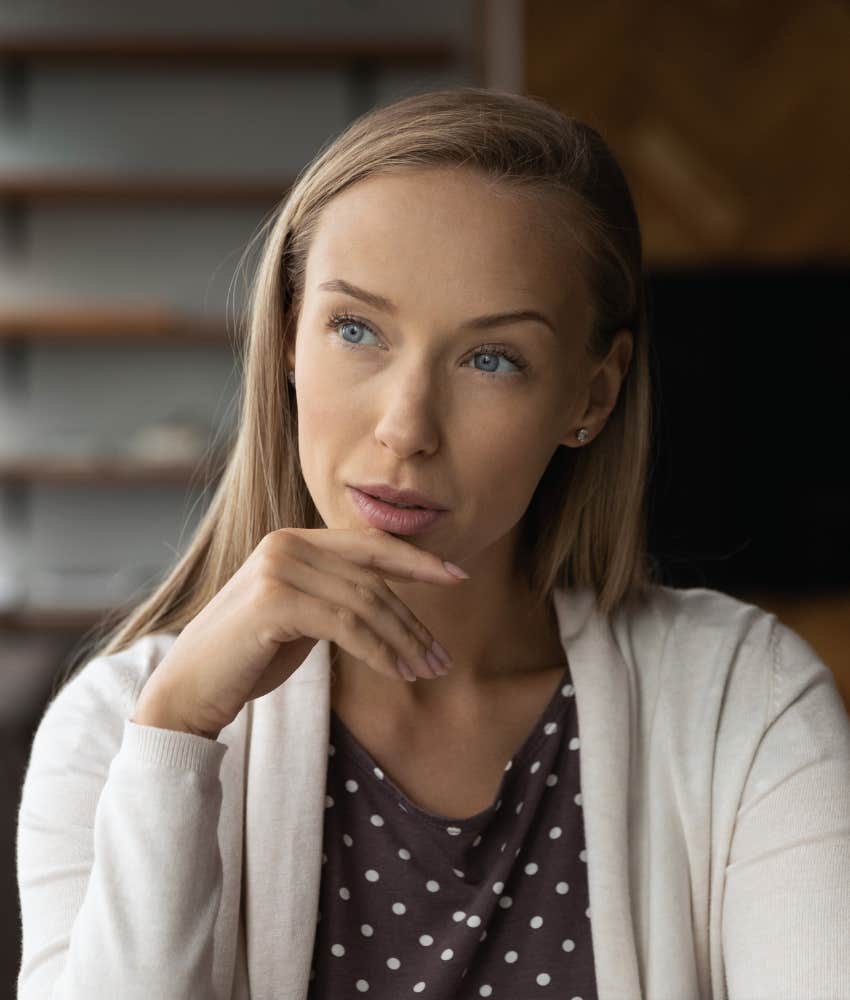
(384, 491)
(388, 518)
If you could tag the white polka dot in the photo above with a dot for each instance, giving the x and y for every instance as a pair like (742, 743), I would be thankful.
(459, 873)
(502, 848)
(519, 808)
(577, 799)
(378, 773)
(498, 886)
(575, 743)
(551, 780)
(506, 902)
(485, 991)
(543, 979)
(347, 840)
(338, 950)
(473, 921)
(498, 805)
(419, 987)
(567, 690)
(328, 802)
(331, 749)
(376, 821)
(426, 939)
(404, 854)
(458, 915)
(477, 841)
(447, 954)
(535, 767)
(399, 908)
(568, 945)
(550, 727)
(509, 765)
(393, 963)
(362, 985)
(344, 893)
(511, 956)
(535, 922)
(453, 831)
(351, 785)
(366, 930)
(530, 868)
(432, 886)
(562, 887)
(372, 875)
(483, 935)
(583, 856)
(555, 832)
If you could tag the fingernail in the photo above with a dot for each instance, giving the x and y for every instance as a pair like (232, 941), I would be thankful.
(442, 653)
(456, 570)
(405, 670)
(434, 663)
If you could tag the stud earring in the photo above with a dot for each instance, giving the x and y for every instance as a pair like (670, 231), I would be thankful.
(583, 434)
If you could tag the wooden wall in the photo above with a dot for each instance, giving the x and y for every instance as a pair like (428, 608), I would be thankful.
(731, 120)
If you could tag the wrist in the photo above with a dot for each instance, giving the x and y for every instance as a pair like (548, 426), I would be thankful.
(156, 708)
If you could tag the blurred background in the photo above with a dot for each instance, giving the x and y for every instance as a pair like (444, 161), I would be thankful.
(142, 144)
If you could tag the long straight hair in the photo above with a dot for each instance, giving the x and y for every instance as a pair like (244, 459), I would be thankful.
(586, 524)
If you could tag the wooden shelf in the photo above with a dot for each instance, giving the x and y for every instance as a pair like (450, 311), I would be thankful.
(51, 619)
(250, 50)
(91, 187)
(103, 472)
(117, 324)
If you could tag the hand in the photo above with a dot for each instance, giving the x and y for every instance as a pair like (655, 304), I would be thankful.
(299, 585)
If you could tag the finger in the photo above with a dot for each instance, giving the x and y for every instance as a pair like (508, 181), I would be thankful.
(372, 548)
(333, 580)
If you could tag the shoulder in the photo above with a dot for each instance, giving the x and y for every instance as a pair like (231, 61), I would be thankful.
(91, 706)
(119, 675)
(702, 645)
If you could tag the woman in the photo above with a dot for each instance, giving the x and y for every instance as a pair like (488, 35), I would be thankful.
(617, 789)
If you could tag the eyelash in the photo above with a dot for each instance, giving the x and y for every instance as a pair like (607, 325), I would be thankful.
(337, 319)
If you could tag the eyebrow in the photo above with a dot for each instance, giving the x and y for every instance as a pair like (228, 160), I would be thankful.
(478, 323)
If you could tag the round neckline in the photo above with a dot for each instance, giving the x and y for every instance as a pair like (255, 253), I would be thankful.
(555, 706)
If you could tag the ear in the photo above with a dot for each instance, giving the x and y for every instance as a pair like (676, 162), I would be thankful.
(604, 388)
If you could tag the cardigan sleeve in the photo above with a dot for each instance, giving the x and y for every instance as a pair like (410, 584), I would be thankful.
(118, 864)
(786, 907)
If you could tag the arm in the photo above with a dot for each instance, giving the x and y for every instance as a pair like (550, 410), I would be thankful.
(119, 871)
(786, 910)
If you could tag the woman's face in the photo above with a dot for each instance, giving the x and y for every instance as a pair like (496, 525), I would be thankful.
(418, 391)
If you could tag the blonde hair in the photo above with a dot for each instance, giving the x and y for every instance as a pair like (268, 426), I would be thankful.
(598, 536)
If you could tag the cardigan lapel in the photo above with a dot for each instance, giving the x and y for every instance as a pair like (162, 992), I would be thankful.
(286, 767)
(601, 683)
(285, 772)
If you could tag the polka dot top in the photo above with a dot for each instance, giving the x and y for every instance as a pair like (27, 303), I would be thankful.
(495, 905)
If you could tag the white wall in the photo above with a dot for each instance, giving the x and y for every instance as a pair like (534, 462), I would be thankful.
(138, 119)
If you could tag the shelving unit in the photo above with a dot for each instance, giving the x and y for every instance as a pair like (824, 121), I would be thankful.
(97, 325)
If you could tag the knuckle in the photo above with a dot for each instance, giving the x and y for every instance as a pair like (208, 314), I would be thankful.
(365, 594)
(345, 616)
(384, 650)
(373, 579)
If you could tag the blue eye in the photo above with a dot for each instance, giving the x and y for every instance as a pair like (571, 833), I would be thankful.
(336, 321)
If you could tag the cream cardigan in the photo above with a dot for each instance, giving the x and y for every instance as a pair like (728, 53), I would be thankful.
(715, 776)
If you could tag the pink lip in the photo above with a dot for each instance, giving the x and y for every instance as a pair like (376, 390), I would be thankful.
(388, 518)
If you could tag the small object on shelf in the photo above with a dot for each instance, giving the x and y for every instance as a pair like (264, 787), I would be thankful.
(169, 441)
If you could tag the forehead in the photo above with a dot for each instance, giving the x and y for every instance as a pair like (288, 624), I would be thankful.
(405, 234)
